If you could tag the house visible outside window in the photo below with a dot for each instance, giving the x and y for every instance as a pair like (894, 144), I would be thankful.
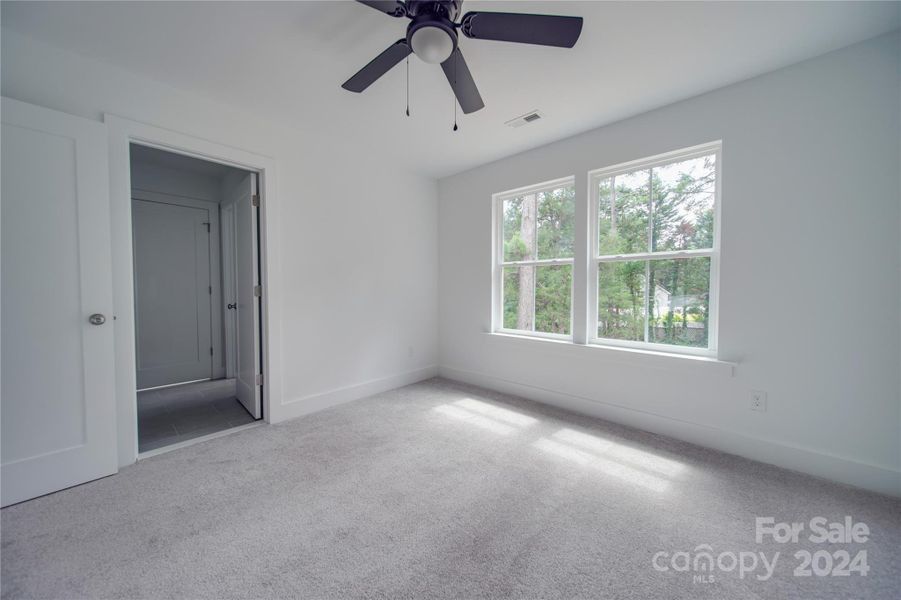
(653, 257)
(535, 248)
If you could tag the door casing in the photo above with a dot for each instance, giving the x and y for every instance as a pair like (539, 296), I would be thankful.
(123, 132)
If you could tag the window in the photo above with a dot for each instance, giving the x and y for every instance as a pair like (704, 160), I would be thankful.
(655, 253)
(649, 247)
(534, 268)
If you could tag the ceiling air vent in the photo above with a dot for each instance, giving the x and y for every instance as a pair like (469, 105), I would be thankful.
(529, 117)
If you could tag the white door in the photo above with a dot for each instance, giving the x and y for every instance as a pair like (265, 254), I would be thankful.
(248, 311)
(57, 402)
(173, 325)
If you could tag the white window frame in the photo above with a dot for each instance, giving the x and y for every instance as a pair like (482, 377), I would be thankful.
(498, 264)
(595, 259)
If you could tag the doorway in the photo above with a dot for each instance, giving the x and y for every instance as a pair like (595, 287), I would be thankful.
(197, 293)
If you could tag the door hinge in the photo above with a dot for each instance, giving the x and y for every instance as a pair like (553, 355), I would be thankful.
(211, 350)
(255, 200)
(258, 291)
(259, 379)
(211, 290)
(207, 226)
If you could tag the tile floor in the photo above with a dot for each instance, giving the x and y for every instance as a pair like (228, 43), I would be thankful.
(170, 415)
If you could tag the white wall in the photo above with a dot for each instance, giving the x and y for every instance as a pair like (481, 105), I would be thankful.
(358, 236)
(811, 273)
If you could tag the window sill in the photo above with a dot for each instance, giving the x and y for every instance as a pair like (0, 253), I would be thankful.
(636, 357)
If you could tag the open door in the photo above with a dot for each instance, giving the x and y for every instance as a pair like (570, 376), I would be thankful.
(57, 404)
(248, 377)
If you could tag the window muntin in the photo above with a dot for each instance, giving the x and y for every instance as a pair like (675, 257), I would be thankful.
(535, 273)
(656, 252)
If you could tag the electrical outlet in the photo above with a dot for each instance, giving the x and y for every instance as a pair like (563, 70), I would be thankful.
(758, 401)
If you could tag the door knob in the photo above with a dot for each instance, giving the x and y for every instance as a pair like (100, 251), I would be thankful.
(232, 306)
(97, 319)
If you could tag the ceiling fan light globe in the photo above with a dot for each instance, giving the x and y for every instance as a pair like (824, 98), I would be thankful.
(432, 44)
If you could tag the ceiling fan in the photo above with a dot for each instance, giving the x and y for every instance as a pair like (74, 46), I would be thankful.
(432, 36)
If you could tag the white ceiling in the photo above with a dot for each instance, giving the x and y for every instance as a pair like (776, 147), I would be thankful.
(288, 60)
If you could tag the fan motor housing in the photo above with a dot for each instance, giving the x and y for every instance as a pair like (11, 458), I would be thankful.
(448, 9)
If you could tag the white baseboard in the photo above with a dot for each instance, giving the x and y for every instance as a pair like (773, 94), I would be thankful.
(820, 464)
(298, 407)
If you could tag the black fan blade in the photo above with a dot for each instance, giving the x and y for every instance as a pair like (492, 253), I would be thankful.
(378, 66)
(395, 8)
(461, 81)
(546, 30)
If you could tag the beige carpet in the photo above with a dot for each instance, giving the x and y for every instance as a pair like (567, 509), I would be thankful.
(435, 490)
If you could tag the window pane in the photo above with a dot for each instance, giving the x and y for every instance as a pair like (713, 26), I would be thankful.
(681, 301)
(683, 195)
(516, 315)
(623, 209)
(553, 294)
(538, 298)
(556, 222)
(621, 300)
(519, 228)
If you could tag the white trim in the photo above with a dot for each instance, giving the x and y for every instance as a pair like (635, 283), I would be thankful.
(304, 405)
(169, 385)
(642, 357)
(121, 133)
(662, 255)
(544, 262)
(535, 188)
(878, 478)
(496, 317)
(658, 160)
(672, 349)
(713, 302)
(533, 334)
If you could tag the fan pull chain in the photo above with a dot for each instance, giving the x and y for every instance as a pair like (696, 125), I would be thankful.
(454, 94)
(408, 85)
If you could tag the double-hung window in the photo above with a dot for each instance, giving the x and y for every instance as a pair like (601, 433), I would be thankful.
(534, 259)
(655, 252)
(653, 231)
